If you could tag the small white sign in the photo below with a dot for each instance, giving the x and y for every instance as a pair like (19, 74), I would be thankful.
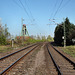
(62, 37)
(73, 40)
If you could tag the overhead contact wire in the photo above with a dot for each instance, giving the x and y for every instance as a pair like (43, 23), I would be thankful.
(58, 8)
(24, 8)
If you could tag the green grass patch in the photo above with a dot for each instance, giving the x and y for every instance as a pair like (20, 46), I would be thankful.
(30, 41)
(70, 50)
(5, 48)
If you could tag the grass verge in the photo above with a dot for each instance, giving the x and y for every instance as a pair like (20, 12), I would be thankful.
(70, 50)
(5, 48)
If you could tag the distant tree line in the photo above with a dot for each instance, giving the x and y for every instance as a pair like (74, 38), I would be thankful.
(69, 31)
(4, 35)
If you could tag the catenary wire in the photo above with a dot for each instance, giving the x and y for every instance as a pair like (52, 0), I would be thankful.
(67, 2)
(29, 10)
(17, 3)
(58, 8)
(24, 8)
(53, 8)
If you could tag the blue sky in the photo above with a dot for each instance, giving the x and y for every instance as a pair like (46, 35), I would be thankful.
(36, 15)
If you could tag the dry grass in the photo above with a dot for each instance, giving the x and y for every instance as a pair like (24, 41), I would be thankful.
(70, 50)
(8, 48)
(5, 48)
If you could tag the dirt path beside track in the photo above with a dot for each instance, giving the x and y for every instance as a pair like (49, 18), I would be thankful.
(33, 64)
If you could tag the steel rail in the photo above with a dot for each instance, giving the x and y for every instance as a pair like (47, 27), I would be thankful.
(16, 52)
(59, 71)
(4, 72)
(73, 63)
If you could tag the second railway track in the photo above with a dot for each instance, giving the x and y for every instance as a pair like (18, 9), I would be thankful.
(63, 65)
(57, 63)
(8, 61)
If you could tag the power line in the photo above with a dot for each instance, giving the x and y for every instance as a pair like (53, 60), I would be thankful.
(21, 7)
(30, 12)
(53, 8)
(17, 3)
(58, 8)
(29, 9)
(24, 8)
(65, 4)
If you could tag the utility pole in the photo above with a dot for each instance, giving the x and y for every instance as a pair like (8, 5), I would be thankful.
(64, 35)
(12, 41)
(22, 29)
(0, 22)
(22, 21)
(64, 31)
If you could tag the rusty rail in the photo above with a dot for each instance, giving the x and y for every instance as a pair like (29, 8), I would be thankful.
(4, 72)
(59, 71)
(16, 52)
(73, 63)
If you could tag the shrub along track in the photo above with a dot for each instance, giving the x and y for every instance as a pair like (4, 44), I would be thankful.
(7, 62)
(64, 64)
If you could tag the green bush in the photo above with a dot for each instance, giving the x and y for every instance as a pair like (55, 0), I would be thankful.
(2, 40)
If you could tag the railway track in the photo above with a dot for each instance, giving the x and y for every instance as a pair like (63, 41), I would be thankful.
(16, 52)
(9, 61)
(64, 65)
